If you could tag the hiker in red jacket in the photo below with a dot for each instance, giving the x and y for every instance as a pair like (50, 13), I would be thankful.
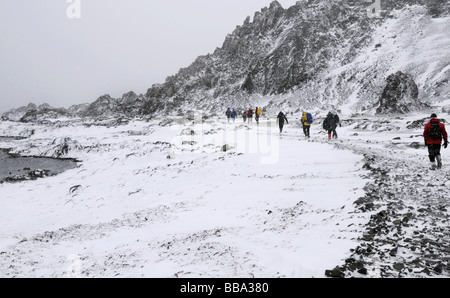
(433, 134)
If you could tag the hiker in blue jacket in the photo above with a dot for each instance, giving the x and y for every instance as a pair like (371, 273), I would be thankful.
(233, 115)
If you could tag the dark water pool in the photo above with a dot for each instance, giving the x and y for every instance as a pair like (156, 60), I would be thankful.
(17, 168)
(2, 138)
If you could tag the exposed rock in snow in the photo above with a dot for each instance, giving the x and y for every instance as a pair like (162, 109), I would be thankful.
(44, 114)
(401, 95)
(102, 107)
(17, 114)
(62, 147)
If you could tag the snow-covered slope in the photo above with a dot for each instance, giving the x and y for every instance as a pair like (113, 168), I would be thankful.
(411, 42)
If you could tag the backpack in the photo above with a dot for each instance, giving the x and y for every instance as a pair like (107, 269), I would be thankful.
(258, 112)
(309, 118)
(325, 124)
(336, 118)
(331, 122)
(435, 131)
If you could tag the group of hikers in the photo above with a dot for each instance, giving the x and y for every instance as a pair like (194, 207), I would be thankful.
(330, 123)
(435, 134)
(246, 115)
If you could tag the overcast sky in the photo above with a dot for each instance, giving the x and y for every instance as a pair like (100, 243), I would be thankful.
(49, 55)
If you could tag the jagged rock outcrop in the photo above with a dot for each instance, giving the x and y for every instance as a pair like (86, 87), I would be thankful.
(42, 115)
(130, 104)
(17, 114)
(401, 95)
(103, 106)
(78, 110)
(106, 106)
(34, 113)
(278, 51)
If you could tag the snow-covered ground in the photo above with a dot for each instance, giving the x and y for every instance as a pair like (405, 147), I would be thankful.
(146, 201)
(163, 199)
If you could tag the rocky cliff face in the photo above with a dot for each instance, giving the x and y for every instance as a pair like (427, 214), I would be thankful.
(316, 54)
(319, 54)
(277, 52)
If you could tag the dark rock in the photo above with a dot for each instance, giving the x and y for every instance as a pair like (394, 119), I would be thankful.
(190, 143)
(362, 271)
(416, 145)
(225, 148)
(399, 266)
(401, 95)
(438, 269)
(337, 272)
(420, 124)
(368, 237)
(438, 8)
(393, 252)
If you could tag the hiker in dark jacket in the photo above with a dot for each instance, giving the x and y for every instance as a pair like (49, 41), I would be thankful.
(250, 115)
(228, 113)
(281, 118)
(330, 124)
(433, 134)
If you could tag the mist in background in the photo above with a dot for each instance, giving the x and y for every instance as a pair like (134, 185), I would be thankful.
(53, 53)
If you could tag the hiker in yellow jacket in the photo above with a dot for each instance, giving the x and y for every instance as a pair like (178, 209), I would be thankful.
(307, 121)
(258, 114)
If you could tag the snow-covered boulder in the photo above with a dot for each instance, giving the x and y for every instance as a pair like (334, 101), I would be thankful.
(60, 147)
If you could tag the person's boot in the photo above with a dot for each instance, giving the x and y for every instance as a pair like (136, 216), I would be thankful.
(329, 136)
(439, 162)
(433, 166)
